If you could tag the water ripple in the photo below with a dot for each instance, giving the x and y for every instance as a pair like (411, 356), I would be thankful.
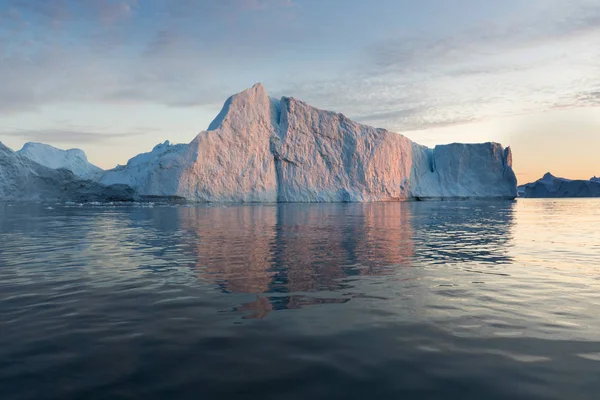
(422, 300)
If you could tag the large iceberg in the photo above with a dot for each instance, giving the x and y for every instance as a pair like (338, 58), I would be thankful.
(24, 179)
(74, 160)
(551, 186)
(260, 149)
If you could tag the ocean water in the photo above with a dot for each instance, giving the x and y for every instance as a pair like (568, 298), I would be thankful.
(424, 300)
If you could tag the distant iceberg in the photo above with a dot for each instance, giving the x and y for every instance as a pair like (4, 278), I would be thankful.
(74, 160)
(260, 149)
(550, 186)
(24, 179)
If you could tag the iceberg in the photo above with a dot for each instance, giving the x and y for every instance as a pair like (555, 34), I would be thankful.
(74, 160)
(260, 149)
(550, 186)
(23, 179)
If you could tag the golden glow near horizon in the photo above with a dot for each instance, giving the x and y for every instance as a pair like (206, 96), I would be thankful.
(564, 142)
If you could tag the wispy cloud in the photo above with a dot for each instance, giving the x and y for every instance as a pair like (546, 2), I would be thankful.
(190, 53)
(58, 12)
(51, 11)
(265, 4)
(194, 9)
(67, 136)
(93, 59)
(537, 61)
(112, 11)
(590, 98)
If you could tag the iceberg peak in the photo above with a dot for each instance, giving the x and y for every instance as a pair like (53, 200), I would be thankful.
(243, 106)
(548, 176)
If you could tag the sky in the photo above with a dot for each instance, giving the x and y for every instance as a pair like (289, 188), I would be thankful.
(116, 77)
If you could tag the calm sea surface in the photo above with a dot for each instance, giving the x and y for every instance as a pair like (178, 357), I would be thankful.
(424, 300)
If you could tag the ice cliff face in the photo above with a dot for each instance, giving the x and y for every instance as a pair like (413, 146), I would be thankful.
(550, 186)
(324, 156)
(482, 170)
(263, 150)
(74, 160)
(24, 179)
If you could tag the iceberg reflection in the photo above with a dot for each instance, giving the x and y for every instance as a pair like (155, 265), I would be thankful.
(286, 252)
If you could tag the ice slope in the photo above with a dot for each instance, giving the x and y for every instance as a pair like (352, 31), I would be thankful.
(551, 186)
(74, 160)
(156, 173)
(263, 150)
(23, 179)
(231, 162)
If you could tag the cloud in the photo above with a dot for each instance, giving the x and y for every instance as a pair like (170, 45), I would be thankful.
(112, 11)
(58, 12)
(170, 62)
(51, 11)
(67, 136)
(189, 53)
(166, 72)
(193, 8)
(554, 20)
(533, 62)
(590, 98)
(265, 4)
(384, 116)
(164, 41)
(15, 100)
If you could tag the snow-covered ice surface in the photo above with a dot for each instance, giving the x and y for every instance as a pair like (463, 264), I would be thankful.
(24, 179)
(74, 160)
(552, 186)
